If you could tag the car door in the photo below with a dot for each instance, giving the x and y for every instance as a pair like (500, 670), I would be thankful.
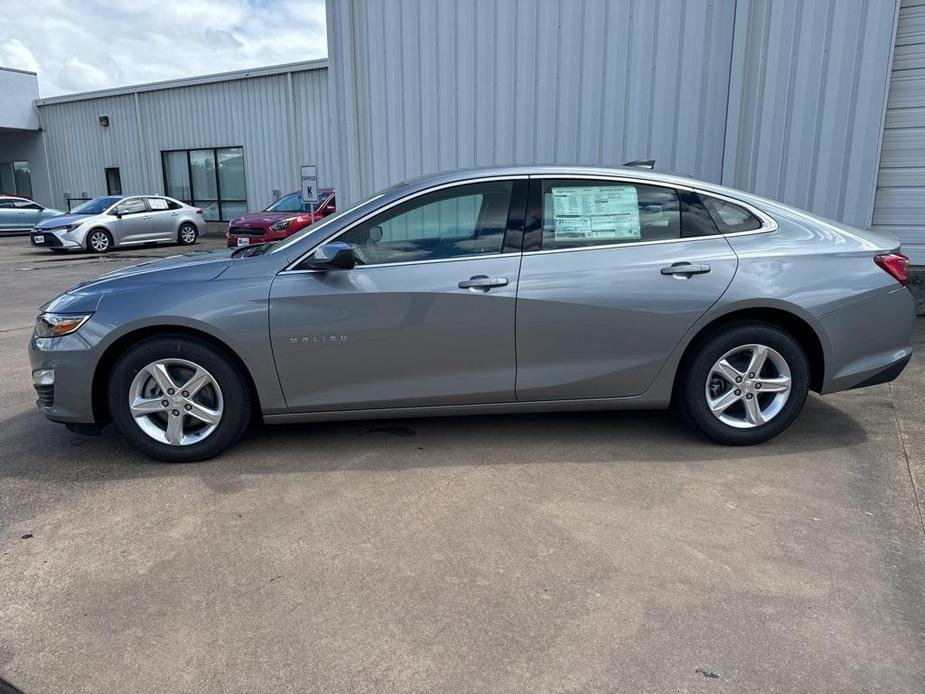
(425, 318)
(165, 219)
(29, 213)
(18, 213)
(134, 222)
(614, 273)
(8, 215)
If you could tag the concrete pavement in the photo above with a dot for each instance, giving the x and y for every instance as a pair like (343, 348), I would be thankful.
(578, 552)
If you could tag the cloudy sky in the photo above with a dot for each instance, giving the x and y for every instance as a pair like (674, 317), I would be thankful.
(78, 45)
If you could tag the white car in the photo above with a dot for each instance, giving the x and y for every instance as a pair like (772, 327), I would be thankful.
(116, 220)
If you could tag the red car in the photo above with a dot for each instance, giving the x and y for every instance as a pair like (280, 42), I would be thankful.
(283, 218)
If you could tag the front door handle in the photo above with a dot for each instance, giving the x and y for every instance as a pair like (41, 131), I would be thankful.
(483, 282)
(685, 269)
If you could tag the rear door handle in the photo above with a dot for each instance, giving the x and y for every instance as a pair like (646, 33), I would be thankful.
(685, 268)
(483, 282)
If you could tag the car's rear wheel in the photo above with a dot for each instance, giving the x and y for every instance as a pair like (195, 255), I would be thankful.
(187, 234)
(177, 399)
(745, 384)
(99, 241)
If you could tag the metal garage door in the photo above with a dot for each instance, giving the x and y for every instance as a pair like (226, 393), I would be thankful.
(899, 206)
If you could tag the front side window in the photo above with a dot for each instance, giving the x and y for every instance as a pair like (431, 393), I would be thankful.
(730, 217)
(457, 222)
(131, 206)
(579, 214)
(210, 178)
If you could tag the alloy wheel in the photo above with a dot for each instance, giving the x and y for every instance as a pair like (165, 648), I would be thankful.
(187, 234)
(748, 386)
(175, 401)
(99, 241)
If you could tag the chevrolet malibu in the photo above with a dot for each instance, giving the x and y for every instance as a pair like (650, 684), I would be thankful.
(491, 291)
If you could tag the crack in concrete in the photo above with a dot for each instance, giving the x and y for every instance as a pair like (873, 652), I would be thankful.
(902, 441)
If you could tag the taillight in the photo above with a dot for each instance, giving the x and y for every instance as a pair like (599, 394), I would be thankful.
(896, 264)
(198, 211)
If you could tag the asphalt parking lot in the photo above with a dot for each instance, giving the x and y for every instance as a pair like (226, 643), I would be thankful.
(578, 552)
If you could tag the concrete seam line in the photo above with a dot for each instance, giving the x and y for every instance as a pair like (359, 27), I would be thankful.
(10, 330)
(902, 441)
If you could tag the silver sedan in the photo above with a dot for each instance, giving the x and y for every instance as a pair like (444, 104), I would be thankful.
(107, 222)
(505, 290)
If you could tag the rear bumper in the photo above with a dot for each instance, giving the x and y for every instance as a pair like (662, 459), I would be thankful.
(867, 343)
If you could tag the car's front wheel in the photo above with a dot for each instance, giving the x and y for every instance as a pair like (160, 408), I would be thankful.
(177, 399)
(744, 384)
(99, 241)
(187, 234)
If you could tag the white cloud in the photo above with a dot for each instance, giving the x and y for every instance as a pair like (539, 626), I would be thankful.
(13, 53)
(95, 44)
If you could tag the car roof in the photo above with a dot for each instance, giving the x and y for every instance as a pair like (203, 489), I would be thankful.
(642, 175)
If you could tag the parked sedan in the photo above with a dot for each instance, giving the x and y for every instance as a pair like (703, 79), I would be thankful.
(280, 220)
(506, 290)
(21, 214)
(116, 220)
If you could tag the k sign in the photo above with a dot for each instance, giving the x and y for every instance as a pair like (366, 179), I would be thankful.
(310, 184)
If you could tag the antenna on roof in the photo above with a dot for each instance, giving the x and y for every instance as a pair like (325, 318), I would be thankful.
(641, 163)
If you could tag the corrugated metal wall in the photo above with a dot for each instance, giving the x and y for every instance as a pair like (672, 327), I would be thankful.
(807, 94)
(424, 85)
(281, 121)
(900, 203)
(780, 97)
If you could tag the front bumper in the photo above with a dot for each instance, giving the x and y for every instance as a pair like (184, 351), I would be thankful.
(62, 369)
(55, 239)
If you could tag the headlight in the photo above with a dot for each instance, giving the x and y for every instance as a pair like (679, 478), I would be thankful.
(280, 225)
(58, 324)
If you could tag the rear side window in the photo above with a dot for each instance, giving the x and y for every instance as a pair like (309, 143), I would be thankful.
(729, 217)
(580, 214)
(158, 204)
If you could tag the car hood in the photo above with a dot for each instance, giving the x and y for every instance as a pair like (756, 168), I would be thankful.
(62, 220)
(261, 220)
(198, 266)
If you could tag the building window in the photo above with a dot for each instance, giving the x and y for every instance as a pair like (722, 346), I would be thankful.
(113, 182)
(212, 179)
(16, 178)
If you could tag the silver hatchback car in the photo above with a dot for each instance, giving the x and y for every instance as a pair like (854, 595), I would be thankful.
(110, 221)
(504, 290)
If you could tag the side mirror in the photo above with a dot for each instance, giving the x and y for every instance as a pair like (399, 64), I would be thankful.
(332, 256)
(329, 209)
(117, 214)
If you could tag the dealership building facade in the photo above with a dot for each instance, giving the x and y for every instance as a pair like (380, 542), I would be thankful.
(818, 103)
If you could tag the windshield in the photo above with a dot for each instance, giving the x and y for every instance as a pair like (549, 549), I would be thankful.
(288, 203)
(96, 205)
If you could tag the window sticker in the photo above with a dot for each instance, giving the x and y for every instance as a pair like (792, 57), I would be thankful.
(157, 204)
(609, 213)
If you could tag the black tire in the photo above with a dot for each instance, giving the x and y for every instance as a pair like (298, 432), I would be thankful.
(187, 234)
(236, 414)
(693, 382)
(100, 234)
